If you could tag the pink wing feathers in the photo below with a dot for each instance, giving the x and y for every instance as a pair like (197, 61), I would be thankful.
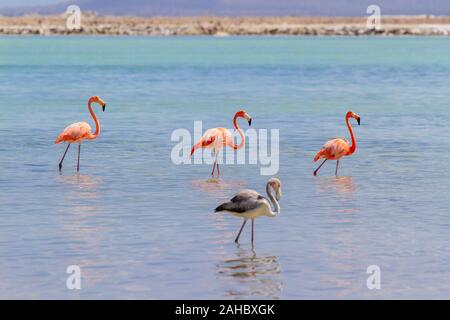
(74, 133)
(333, 149)
(213, 138)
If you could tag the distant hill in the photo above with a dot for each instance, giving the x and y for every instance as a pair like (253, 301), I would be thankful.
(242, 7)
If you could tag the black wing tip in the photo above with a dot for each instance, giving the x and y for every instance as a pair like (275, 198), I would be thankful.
(220, 208)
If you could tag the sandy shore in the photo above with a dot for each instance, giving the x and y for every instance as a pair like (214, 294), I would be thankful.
(223, 26)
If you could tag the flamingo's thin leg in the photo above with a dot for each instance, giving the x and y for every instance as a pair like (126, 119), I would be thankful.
(315, 172)
(337, 165)
(253, 230)
(62, 159)
(78, 164)
(214, 167)
(240, 231)
(216, 164)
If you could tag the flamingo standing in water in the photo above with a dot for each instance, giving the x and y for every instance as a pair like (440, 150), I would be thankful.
(249, 204)
(337, 148)
(217, 138)
(77, 132)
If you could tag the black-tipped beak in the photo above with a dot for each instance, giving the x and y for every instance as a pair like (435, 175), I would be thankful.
(103, 107)
(250, 122)
(359, 121)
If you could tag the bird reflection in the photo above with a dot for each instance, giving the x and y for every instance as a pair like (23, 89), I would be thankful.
(217, 187)
(81, 186)
(341, 184)
(82, 205)
(81, 180)
(251, 276)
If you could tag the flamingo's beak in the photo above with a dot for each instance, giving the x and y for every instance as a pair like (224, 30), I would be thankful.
(278, 194)
(103, 107)
(359, 121)
(250, 121)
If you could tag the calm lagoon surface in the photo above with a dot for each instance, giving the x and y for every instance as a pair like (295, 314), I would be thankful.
(140, 226)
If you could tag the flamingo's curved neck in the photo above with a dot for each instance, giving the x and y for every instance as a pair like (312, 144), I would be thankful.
(353, 146)
(97, 124)
(241, 134)
(274, 202)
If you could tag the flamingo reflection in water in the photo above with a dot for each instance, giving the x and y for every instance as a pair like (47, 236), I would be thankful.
(79, 218)
(343, 185)
(251, 276)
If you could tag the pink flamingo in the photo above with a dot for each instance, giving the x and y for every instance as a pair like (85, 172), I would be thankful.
(77, 132)
(337, 148)
(217, 138)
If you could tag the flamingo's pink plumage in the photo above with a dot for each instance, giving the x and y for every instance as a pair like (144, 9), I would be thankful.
(337, 148)
(218, 138)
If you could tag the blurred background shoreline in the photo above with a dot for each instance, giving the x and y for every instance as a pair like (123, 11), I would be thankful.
(93, 24)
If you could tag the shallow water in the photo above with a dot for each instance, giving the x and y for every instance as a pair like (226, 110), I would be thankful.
(141, 227)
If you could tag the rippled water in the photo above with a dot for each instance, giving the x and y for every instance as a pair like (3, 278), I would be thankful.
(141, 227)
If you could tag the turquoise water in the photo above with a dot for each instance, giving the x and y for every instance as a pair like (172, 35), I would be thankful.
(141, 227)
